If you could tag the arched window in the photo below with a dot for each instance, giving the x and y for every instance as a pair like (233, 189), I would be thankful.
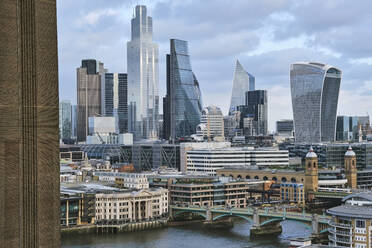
(275, 179)
(247, 177)
(231, 176)
(314, 164)
(309, 165)
(284, 179)
(256, 177)
(293, 180)
(222, 175)
(265, 178)
(239, 177)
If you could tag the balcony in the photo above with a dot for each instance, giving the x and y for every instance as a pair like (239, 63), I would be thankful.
(340, 240)
(339, 232)
(340, 225)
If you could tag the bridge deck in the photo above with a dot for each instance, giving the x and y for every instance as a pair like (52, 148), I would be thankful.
(280, 214)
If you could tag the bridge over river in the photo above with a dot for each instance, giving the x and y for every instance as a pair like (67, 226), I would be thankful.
(263, 221)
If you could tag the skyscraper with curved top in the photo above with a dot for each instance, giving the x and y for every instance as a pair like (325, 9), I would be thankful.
(314, 89)
(182, 104)
(143, 79)
(242, 82)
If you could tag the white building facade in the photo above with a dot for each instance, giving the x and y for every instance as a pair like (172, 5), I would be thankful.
(122, 207)
(208, 161)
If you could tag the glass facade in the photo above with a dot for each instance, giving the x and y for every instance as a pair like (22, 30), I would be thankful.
(143, 79)
(242, 82)
(314, 89)
(116, 99)
(65, 124)
(183, 104)
(256, 103)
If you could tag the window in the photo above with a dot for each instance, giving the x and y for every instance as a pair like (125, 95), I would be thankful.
(360, 223)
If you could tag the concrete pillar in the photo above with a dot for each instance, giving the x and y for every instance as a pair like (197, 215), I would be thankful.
(139, 211)
(209, 215)
(315, 224)
(256, 218)
(67, 216)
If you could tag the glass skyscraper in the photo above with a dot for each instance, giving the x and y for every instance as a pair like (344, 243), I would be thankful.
(314, 89)
(256, 103)
(143, 79)
(116, 99)
(182, 105)
(65, 124)
(242, 82)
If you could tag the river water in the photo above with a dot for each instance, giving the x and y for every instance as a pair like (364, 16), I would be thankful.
(190, 236)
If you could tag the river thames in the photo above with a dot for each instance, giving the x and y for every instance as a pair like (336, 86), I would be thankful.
(190, 236)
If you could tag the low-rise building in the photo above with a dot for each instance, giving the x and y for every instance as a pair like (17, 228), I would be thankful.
(211, 191)
(352, 222)
(123, 180)
(292, 193)
(122, 207)
(208, 161)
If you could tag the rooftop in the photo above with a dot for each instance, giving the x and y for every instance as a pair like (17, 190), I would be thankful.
(351, 211)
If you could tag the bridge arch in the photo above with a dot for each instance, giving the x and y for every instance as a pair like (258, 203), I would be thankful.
(182, 212)
(232, 215)
(273, 220)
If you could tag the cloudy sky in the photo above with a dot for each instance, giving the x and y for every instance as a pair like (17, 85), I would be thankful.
(265, 35)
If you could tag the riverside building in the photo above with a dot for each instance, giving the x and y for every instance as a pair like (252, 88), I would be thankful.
(211, 191)
(352, 222)
(122, 207)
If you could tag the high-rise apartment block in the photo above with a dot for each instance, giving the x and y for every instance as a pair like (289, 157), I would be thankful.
(29, 177)
(256, 103)
(242, 82)
(116, 99)
(314, 89)
(143, 79)
(89, 77)
(65, 125)
(182, 105)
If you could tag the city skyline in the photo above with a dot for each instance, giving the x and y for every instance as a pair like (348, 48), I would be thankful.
(266, 48)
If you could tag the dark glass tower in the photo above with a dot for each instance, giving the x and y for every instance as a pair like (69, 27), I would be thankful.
(256, 102)
(29, 147)
(182, 105)
(116, 99)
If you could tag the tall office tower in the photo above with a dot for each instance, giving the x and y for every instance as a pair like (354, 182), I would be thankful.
(256, 103)
(88, 95)
(65, 124)
(73, 121)
(143, 78)
(116, 99)
(29, 177)
(314, 89)
(348, 128)
(182, 105)
(211, 124)
(242, 82)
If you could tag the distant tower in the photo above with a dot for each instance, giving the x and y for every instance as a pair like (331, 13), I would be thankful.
(350, 168)
(311, 174)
